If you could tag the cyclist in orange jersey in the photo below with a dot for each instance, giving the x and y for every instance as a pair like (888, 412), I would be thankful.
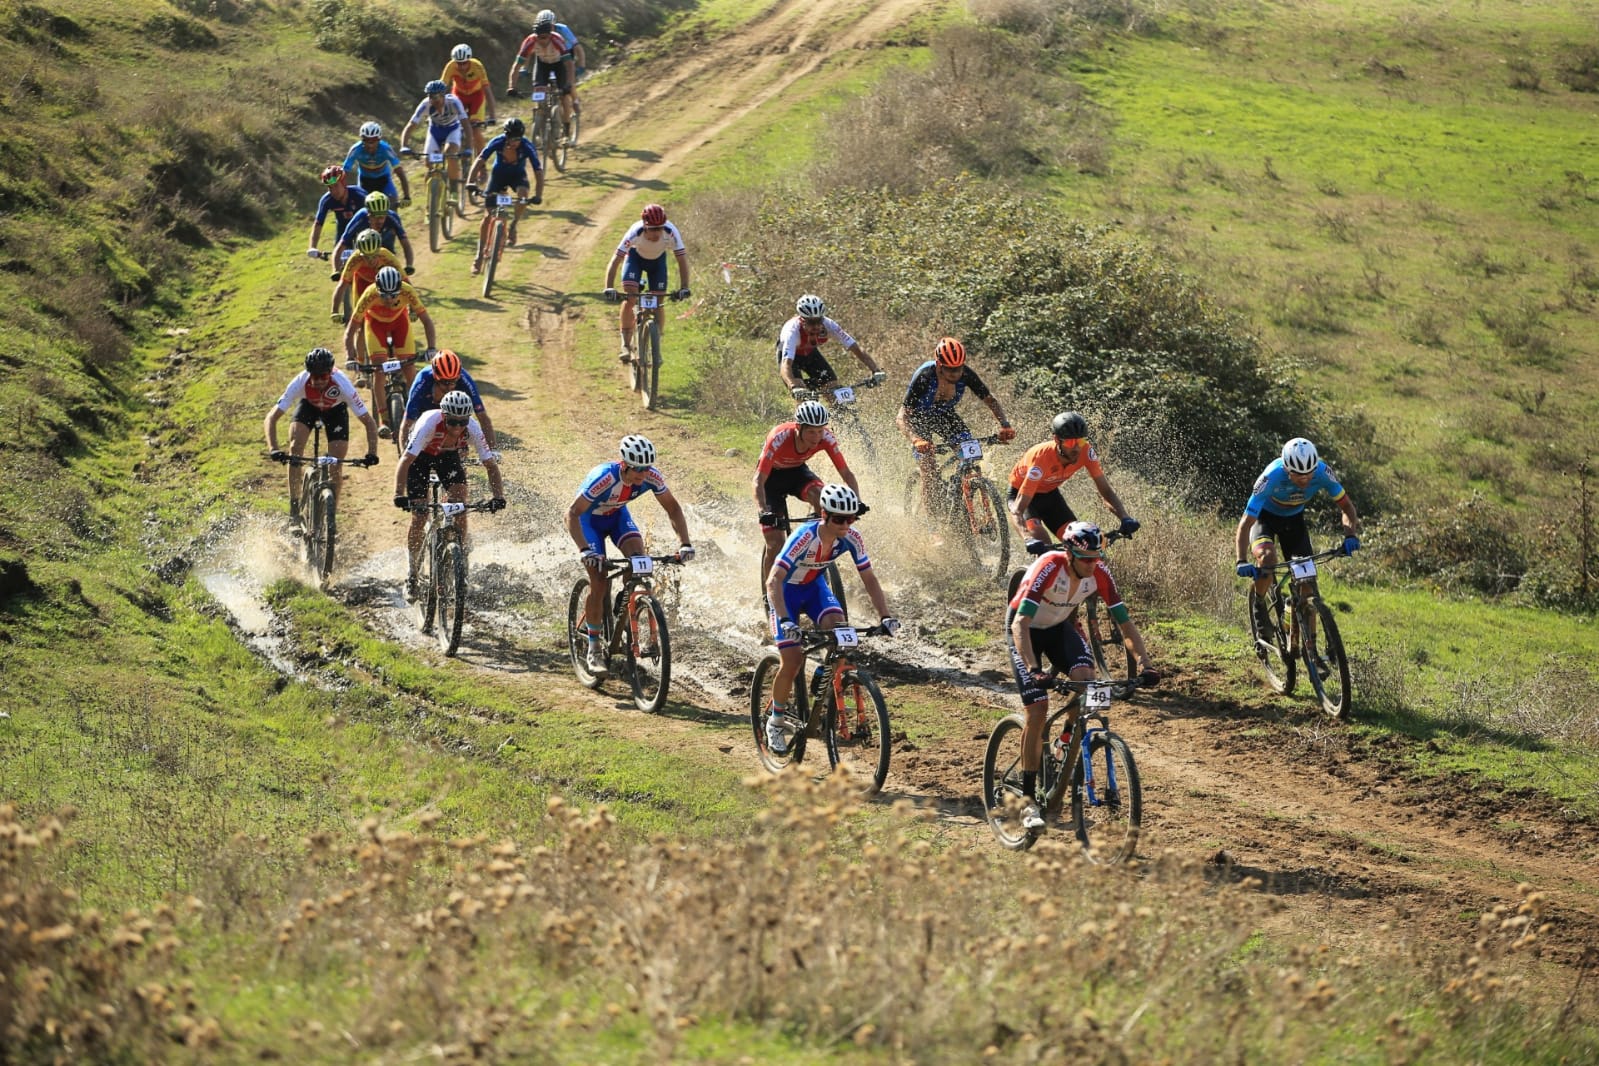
(1037, 503)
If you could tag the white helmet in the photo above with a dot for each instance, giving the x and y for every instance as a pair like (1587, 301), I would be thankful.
(456, 404)
(461, 53)
(810, 306)
(1299, 456)
(637, 450)
(371, 129)
(388, 281)
(840, 499)
(810, 413)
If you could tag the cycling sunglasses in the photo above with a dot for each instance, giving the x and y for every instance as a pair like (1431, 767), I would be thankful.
(457, 421)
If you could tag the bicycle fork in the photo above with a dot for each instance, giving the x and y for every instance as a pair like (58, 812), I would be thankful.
(1091, 793)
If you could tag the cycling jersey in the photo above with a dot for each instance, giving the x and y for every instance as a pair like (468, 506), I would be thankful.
(354, 201)
(641, 244)
(512, 171)
(1041, 468)
(801, 558)
(420, 398)
(798, 341)
(1275, 494)
(606, 493)
(388, 232)
(448, 117)
(469, 81)
(361, 270)
(567, 35)
(374, 164)
(551, 49)
(336, 390)
(433, 437)
(377, 313)
(782, 449)
(921, 396)
(1051, 591)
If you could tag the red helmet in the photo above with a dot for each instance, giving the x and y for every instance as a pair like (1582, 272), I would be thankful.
(331, 175)
(446, 364)
(950, 352)
(654, 215)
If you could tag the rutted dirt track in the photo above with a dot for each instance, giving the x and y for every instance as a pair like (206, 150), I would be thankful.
(1344, 838)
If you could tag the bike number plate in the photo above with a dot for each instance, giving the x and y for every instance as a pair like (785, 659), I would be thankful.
(435, 157)
(454, 508)
(971, 449)
(1304, 569)
(642, 564)
(539, 95)
(391, 366)
(1097, 697)
(504, 200)
(844, 395)
(846, 637)
(649, 302)
(327, 460)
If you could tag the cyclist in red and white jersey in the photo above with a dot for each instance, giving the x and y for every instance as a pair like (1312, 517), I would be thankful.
(319, 393)
(1043, 622)
(799, 359)
(782, 472)
(1037, 502)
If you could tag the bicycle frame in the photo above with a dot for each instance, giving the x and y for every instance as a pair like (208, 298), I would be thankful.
(1294, 605)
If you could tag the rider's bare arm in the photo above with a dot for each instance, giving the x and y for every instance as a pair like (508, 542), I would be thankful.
(682, 269)
(874, 591)
(674, 514)
(1108, 494)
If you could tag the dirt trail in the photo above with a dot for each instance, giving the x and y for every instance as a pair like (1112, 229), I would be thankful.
(1346, 841)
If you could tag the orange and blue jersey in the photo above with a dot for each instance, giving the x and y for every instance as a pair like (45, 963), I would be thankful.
(921, 396)
(1276, 494)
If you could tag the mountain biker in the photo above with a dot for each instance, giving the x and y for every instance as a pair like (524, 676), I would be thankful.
(378, 216)
(375, 163)
(319, 393)
(1276, 508)
(1042, 621)
(446, 117)
(928, 409)
(792, 589)
(579, 65)
(600, 511)
(361, 268)
(1037, 497)
(469, 80)
(644, 248)
(442, 376)
(511, 152)
(782, 472)
(798, 359)
(383, 313)
(436, 447)
(551, 58)
(342, 199)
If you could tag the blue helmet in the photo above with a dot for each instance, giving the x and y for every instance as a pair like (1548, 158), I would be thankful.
(435, 86)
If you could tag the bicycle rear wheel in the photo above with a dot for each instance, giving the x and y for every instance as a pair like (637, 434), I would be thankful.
(986, 527)
(452, 596)
(558, 144)
(577, 638)
(435, 208)
(1272, 648)
(1003, 795)
(324, 530)
(427, 585)
(649, 654)
(1112, 661)
(649, 359)
(1332, 690)
(761, 700)
(491, 260)
(858, 735)
(1107, 799)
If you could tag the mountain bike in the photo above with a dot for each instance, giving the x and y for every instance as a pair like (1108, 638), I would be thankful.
(842, 707)
(395, 389)
(1311, 636)
(968, 503)
(1114, 662)
(844, 415)
(318, 504)
(551, 135)
(1085, 761)
(443, 197)
(347, 301)
(502, 213)
(646, 363)
(441, 567)
(634, 626)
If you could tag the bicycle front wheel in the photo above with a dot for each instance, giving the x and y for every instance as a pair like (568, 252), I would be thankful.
(324, 531)
(986, 527)
(1272, 648)
(760, 705)
(557, 153)
(858, 733)
(1107, 799)
(491, 260)
(452, 596)
(1112, 661)
(649, 357)
(427, 584)
(649, 654)
(435, 212)
(395, 403)
(1327, 645)
(1003, 794)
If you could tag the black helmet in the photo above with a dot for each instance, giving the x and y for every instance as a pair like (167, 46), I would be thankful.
(1069, 425)
(319, 361)
(515, 127)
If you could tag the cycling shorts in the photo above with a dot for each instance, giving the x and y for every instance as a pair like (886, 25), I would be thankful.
(1289, 530)
(618, 525)
(793, 481)
(377, 334)
(335, 420)
(931, 426)
(560, 72)
(815, 600)
(476, 104)
(384, 184)
(813, 370)
(1064, 648)
(502, 178)
(451, 139)
(636, 266)
(1049, 508)
(447, 464)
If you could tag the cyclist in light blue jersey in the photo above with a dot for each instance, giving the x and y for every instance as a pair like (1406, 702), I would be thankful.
(373, 160)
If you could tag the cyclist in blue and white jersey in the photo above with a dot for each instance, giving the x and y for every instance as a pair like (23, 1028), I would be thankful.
(439, 378)
(374, 161)
(796, 586)
(446, 117)
(600, 511)
(1276, 509)
(379, 218)
(928, 409)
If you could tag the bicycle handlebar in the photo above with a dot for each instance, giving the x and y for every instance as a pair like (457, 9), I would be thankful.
(948, 446)
(1067, 686)
(817, 393)
(367, 368)
(1327, 553)
(819, 638)
(318, 460)
(476, 505)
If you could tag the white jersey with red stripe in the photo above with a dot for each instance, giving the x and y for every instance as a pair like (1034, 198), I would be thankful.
(433, 436)
(338, 389)
(1056, 591)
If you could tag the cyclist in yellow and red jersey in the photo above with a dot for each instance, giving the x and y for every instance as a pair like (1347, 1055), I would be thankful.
(435, 447)
(469, 80)
(383, 315)
(1042, 621)
(319, 393)
(361, 269)
(1036, 501)
(782, 472)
